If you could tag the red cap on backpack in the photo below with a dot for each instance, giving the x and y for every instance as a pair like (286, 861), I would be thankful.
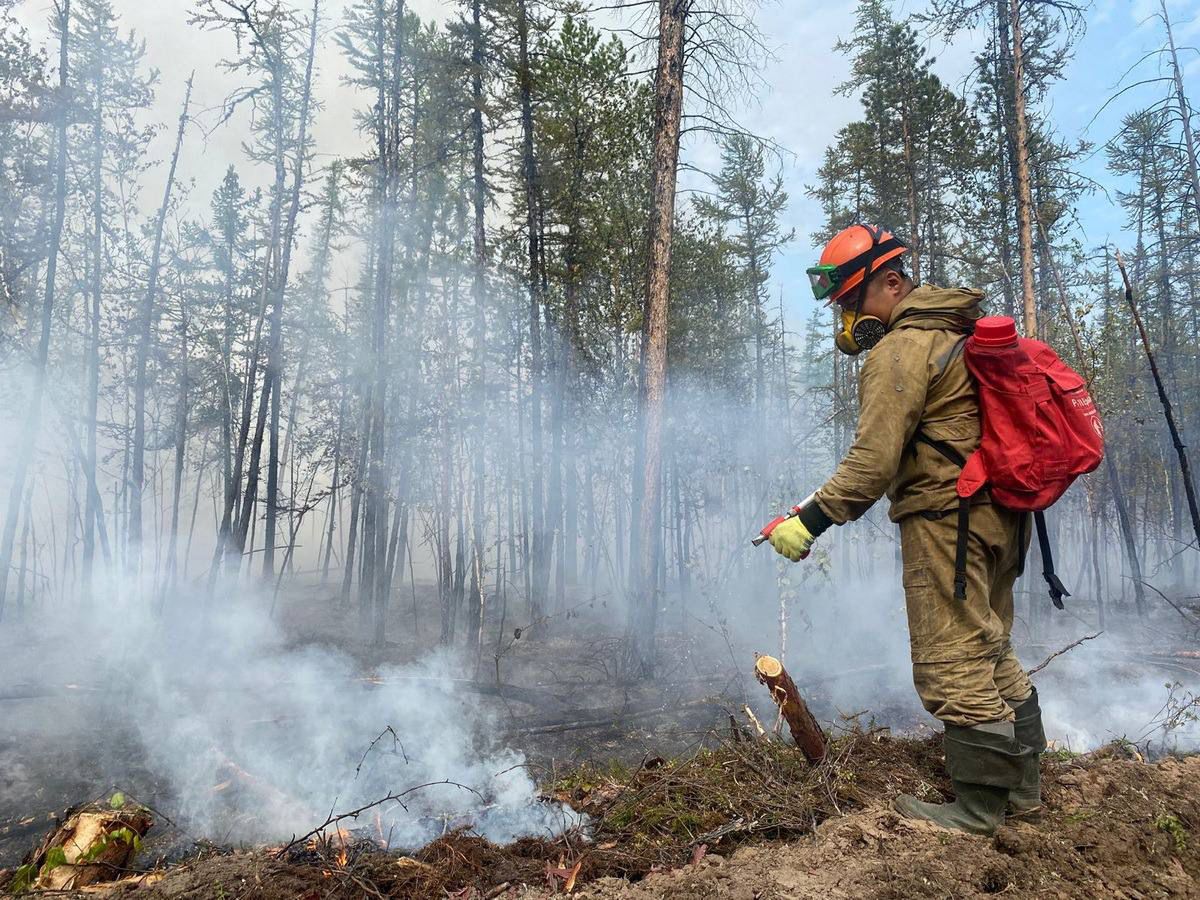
(996, 331)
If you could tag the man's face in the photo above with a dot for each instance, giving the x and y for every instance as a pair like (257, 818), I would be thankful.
(884, 291)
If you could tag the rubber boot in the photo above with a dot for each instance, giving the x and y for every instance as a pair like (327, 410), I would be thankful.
(1025, 800)
(985, 763)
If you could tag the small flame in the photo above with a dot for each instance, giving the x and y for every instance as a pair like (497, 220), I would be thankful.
(341, 858)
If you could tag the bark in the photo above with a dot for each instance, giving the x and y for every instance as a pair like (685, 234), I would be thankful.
(1185, 469)
(34, 419)
(803, 725)
(91, 511)
(273, 375)
(479, 295)
(23, 563)
(1006, 155)
(537, 540)
(760, 324)
(146, 315)
(333, 491)
(1185, 113)
(910, 190)
(1024, 193)
(181, 426)
(668, 93)
(372, 596)
(356, 494)
(228, 525)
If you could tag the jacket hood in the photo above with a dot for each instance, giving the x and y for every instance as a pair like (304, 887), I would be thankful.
(929, 307)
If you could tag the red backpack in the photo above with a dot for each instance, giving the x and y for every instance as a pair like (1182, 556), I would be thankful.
(1040, 431)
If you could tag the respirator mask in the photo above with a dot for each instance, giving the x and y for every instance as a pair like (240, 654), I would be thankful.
(858, 332)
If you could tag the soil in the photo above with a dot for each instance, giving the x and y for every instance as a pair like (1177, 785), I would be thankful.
(1113, 827)
(770, 826)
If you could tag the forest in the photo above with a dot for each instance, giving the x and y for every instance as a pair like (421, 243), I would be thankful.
(482, 407)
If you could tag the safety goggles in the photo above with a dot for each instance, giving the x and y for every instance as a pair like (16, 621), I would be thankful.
(825, 280)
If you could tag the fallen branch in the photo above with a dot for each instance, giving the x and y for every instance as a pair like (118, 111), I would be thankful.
(398, 797)
(612, 717)
(1172, 604)
(1045, 662)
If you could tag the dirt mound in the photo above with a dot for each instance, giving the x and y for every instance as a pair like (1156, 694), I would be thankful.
(1113, 829)
(751, 819)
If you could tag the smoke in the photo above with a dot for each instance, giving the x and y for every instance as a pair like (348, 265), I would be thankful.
(248, 739)
(1106, 690)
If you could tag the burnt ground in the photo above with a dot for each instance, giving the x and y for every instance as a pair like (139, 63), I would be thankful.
(1116, 826)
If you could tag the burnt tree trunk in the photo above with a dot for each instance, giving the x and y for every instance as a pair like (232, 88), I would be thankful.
(1185, 468)
(668, 110)
(145, 336)
(536, 540)
(479, 346)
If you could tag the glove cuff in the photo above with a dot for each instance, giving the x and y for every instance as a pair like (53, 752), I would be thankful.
(814, 519)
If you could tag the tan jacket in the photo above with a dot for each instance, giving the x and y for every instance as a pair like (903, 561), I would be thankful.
(914, 379)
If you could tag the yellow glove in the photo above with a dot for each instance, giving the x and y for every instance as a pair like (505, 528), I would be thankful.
(792, 539)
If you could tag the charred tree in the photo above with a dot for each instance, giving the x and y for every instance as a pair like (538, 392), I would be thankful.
(145, 336)
(1185, 468)
(668, 110)
(479, 342)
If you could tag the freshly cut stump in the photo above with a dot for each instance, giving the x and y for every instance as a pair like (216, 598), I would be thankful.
(90, 846)
(805, 731)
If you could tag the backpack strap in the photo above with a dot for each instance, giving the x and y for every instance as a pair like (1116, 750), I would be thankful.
(964, 515)
(1021, 526)
(1057, 591)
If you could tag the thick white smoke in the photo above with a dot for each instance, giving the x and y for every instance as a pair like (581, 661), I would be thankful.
(251, 740)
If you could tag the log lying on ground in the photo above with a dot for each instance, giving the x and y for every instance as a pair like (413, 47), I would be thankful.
(805, 731)
(90, 845)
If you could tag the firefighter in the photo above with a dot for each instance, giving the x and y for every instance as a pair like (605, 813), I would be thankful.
(918, 420)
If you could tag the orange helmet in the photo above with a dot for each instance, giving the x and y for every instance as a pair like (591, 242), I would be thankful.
(851, 255)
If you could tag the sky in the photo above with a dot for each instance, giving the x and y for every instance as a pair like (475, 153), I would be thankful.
(795, 105)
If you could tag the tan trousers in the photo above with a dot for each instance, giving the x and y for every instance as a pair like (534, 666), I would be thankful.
(964, 667)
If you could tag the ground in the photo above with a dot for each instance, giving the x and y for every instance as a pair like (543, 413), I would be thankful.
(1115, 830)
(681, 804)
(1114, 826)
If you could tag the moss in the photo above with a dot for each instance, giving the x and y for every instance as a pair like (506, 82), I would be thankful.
(1169, 823)
(1060, 755)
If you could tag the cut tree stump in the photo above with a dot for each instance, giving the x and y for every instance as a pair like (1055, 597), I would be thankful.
(805, 731)
(92, 844)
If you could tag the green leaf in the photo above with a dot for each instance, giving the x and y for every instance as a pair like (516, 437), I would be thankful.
(55, 857)
(116, 801)
(22, 879)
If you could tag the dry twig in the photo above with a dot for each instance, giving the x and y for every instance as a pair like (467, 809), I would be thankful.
(396, 797)
(1045, 662)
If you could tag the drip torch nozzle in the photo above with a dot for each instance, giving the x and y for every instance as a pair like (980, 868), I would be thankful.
(762, 536)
